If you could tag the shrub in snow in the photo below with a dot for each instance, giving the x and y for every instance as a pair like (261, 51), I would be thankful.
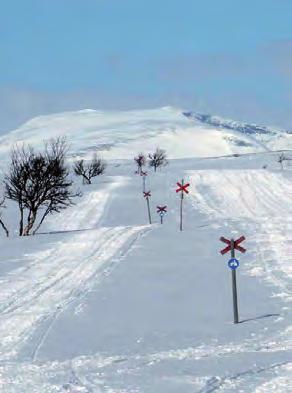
(140, 161)
(90, 169)
(158, 159)
(281, 159)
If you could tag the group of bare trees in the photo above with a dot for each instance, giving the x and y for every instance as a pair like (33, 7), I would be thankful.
(40, 183)
(155, 160)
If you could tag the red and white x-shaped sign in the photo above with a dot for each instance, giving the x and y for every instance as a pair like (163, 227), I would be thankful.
(183, 187)
(235, 244)
(143, 173)
(161, 209)
(147, 194)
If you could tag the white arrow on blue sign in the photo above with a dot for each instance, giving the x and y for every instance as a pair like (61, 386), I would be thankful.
(233, 263)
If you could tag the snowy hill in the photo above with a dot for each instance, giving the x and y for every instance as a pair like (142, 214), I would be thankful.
(118, 134)
(102, 302)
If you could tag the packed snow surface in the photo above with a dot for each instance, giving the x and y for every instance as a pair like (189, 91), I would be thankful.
(99, 301)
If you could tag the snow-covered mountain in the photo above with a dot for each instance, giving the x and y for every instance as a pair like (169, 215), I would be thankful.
(102, 302)
(119, 135)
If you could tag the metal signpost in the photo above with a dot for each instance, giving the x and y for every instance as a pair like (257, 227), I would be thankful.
(144, 174)
(161, 210)
(182, 188)
(233, 264)
(147, 195)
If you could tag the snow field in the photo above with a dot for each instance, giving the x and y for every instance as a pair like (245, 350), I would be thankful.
(66, 269)
(118, 134)
(73, 319)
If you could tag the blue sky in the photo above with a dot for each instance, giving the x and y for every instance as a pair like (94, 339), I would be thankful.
(229, 57)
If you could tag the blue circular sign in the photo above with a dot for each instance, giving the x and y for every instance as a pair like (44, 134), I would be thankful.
(233, 263)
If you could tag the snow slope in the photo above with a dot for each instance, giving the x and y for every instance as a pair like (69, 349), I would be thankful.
(102, 302)
(271, 138)
(118, 134)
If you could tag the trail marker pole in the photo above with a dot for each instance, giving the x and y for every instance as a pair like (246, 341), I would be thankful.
(181, 209)
(161, 210)
(144, 174)
(182, 188)
(233, 263)
(234, 287)
(147, 195)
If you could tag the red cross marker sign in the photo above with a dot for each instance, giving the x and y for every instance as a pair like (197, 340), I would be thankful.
(161, 209)
(235, 244)
(183, 187)
(143, 173)
(147, 194)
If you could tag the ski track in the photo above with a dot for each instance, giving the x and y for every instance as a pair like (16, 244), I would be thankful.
(46, 288)
(246, 197)
(232, 382)
(93, 374)
(90, 208)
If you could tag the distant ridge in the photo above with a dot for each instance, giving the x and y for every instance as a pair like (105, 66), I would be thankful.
(219, 122)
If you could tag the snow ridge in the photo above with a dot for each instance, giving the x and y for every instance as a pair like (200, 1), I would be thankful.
(217, 121)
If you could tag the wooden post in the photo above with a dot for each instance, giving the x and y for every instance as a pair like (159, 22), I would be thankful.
(161, 218)
(181, 207)
(234, 287)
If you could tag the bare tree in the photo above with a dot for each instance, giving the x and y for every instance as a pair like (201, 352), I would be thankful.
(281, 159)
(39, 181)
(2, 200)
(140, 161)
(157, 159)
(90, 169)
